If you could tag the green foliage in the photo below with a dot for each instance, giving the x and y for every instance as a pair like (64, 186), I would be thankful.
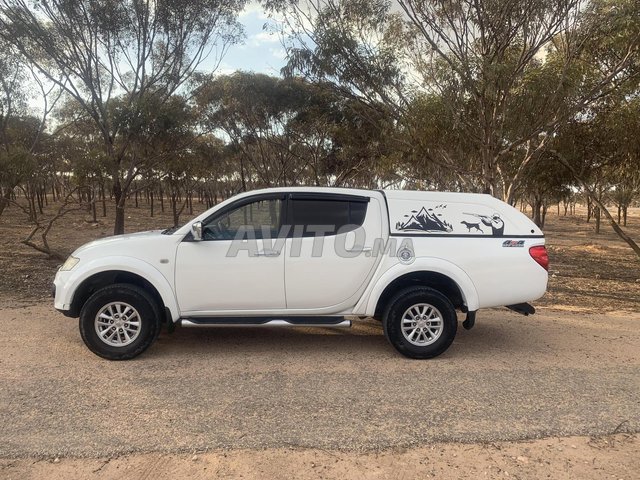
(290, 131)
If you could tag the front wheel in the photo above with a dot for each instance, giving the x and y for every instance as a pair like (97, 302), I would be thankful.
(420, 322)
(119, 322)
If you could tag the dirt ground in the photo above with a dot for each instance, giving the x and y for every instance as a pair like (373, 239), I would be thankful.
(570, 458)
(555, 395)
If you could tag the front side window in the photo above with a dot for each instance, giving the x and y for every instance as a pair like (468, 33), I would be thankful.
(261, 217)
(309, 217)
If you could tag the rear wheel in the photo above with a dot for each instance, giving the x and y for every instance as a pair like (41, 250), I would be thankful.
(119, 322)
(420, 322)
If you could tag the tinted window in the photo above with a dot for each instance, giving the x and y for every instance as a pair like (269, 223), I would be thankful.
(326, 216)
(263, 217)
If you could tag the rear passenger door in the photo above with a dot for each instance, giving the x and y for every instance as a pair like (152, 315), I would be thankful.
(322, 270)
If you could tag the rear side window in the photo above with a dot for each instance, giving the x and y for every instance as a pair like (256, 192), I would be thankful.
(313, 217)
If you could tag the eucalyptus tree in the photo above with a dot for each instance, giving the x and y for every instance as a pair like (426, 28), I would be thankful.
(254, 111)
(626, 187)
(17, 160)
(13, 99)
(625, 175)
(545, 183)
(16, 132)
(595, 150)
(216, 173)
(288, 131)
(507, 74)
(100, 51)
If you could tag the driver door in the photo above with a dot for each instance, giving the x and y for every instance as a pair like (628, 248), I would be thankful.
(216, 276)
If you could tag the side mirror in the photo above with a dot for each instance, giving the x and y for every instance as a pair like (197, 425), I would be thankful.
(196, 231)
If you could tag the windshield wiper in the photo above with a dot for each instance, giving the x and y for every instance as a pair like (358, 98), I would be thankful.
(169, 231)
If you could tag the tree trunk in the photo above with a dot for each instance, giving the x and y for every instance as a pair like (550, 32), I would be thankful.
(120, 199)
(4, 200)
(104, 200)
(174, 209)
(94, 215)
(32, 205)
(536, 214)
(596, 214)
(38, 193)
(244, 183)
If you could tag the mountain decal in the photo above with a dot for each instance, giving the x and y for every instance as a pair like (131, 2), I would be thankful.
(425, 220)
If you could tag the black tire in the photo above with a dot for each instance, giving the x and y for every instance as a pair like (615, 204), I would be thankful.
(400, 303)
(139, 299)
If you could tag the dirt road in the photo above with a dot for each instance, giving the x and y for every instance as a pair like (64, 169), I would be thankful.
(511, 378)
(570, 458)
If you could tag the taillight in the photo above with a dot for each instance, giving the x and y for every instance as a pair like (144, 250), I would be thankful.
(539, 254)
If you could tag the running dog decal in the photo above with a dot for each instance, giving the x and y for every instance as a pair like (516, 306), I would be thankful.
(425, 220)
(494, 221)
(472, 225)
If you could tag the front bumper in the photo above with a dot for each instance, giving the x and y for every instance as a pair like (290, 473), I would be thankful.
(66, 313)
(59, 292)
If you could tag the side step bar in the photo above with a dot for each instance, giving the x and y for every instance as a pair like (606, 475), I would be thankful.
(522, 308)
(208, 322)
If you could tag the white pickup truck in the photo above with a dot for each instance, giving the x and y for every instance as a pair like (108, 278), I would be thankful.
(310, 257)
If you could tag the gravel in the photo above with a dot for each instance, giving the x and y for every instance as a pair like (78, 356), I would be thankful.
(510, 378)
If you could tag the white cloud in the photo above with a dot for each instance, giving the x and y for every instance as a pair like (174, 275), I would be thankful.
(278, 53)
(264, 37)
(225, 69)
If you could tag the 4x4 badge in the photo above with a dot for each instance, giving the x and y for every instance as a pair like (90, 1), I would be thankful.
(513, 243)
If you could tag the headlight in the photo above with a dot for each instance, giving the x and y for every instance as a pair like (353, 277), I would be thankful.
(69, 263)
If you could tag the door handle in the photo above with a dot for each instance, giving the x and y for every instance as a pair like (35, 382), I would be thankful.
(360, 250)
(268, 253)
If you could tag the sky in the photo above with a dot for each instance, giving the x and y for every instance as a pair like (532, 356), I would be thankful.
(261, 51)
